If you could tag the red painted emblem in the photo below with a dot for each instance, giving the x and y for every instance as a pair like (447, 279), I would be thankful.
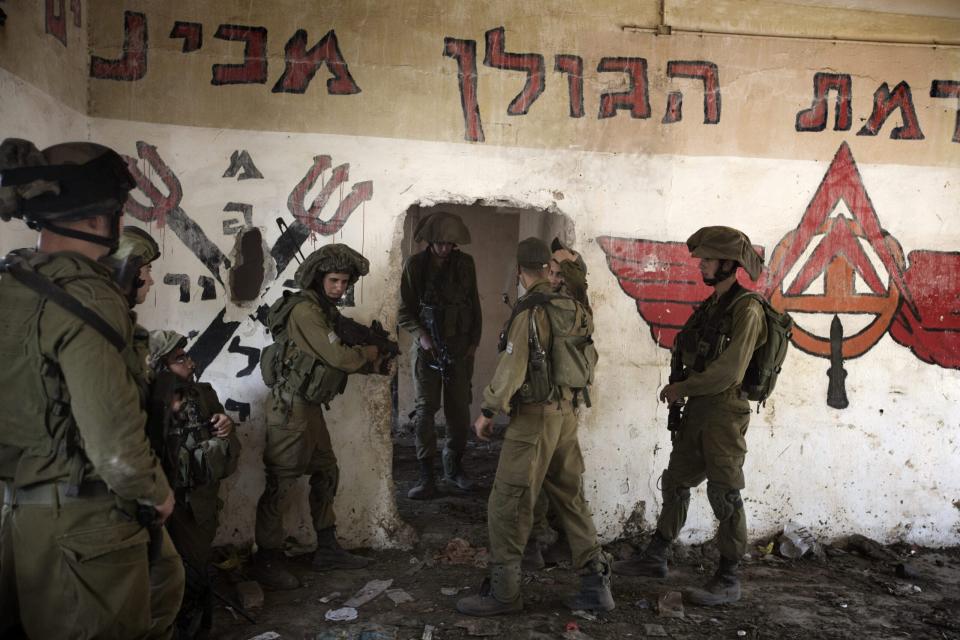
(919, 304)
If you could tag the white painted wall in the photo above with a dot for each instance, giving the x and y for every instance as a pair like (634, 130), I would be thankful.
(891, 475)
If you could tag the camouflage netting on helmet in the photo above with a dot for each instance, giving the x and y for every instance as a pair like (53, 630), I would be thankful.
(442, 226)
(162, 343)
(332, 258)
(68, 181)
(726, 243)
(136, 242)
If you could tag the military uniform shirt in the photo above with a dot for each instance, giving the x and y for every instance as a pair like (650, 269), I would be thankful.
(748, 332)
(104, 397)
(312, 331)
(512, 363)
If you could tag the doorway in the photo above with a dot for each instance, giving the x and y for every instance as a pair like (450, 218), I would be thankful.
(495, 231)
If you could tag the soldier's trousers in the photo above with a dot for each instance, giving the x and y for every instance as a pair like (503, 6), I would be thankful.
(79, 569)
(298, 443)
(540, 452)
(193, 527)
(711, 446)
(456, 394)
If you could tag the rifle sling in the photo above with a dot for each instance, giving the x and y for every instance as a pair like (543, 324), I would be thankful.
(50, 290)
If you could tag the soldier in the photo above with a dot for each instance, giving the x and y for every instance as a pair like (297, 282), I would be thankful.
(306, 368)
(198, 448)
(568, 275)
(440, 307)
(133, 271)
(74, 451)
(715, 345)
(538, 384)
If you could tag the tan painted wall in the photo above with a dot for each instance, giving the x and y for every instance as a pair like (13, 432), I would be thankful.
(409, 89)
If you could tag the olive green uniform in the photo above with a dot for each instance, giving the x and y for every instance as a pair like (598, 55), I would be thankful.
(574, 274)
(195, 519)
(711, 443)
(540, 451)
(451, 286)
(298, 442)
(77, 563)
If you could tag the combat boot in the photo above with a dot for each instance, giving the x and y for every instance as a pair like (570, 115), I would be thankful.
(532, 556)
(267, 569)
(499, 594)
(453, 472)
(330, 555)
(723, 587)
(426, 487)
(594, 592)
(651, 562)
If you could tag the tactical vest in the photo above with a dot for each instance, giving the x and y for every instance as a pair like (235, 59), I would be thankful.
(42, 397)
(290, 370)
(708, 331)
(183, 437)
(445, 297)
(567, 361)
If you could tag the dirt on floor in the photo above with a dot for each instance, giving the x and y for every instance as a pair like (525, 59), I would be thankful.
(853, 589)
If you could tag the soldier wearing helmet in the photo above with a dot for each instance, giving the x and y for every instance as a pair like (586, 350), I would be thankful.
(74, 454)
(306, 368)
(198, 447)
(715, 346)
(132, 265)
(440, 307)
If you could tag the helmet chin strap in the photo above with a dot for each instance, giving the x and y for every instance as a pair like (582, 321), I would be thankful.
(112, 241)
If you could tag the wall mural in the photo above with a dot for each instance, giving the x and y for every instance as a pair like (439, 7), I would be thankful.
(163, 210)
(915, 299)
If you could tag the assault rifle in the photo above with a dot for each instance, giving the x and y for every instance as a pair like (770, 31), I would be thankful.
(675, 410)
(355, 334)
(432, 318)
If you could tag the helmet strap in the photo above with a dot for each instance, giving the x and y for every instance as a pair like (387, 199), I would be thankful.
(112, 241)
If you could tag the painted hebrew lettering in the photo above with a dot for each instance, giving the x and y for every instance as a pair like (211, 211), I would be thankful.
(191, 32)
(886, 102)
(815, 118)
(253, 69)
(636, 98)
(465, 53)
(132, 63)
(302, 64)
(531, 63)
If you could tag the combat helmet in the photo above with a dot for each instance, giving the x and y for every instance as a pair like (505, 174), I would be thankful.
(135, 250)
(442, 226)
(726, 243)
(65, 182)
(331, 258)
(558, 245)
(162, 343)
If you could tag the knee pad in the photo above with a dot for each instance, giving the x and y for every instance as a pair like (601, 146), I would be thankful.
(725, 502)
(674, 493)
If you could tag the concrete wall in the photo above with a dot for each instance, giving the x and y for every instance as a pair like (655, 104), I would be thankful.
(753, 155)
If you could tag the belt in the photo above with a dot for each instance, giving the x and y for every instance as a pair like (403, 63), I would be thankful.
(545, 407)
(52, 493)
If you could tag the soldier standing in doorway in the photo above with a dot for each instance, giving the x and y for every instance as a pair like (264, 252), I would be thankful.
(440, 307)
(715, 346)
(306, 368)
(84, 492)
(546, 359)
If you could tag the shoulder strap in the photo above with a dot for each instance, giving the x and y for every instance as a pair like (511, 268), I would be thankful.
(48, 289)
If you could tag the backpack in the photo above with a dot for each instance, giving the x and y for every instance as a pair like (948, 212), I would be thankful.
(761, 375)
(570, 358)
(283, 365)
